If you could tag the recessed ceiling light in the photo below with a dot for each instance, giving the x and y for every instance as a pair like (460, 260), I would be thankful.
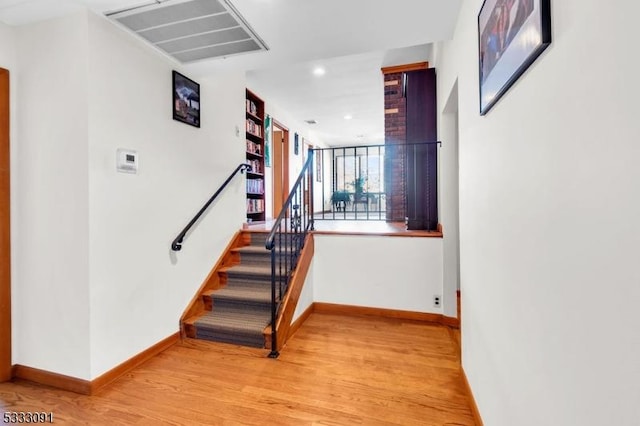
(348, 117)
(319, 71)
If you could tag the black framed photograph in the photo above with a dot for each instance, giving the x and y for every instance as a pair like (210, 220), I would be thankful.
(186, 100)
(511, 35)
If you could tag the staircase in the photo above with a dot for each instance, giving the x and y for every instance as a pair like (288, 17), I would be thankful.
(235, 302)
(240, 310)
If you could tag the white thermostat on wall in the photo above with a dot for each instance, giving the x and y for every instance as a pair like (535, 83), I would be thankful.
(126, 161)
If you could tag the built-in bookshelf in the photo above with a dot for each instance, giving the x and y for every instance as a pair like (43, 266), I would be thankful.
(255, 157)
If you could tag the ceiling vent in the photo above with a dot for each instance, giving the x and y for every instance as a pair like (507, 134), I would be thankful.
(311, 121)
(191, 30)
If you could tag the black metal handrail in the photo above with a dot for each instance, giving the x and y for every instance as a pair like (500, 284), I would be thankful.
(286, 239)
(176, 245)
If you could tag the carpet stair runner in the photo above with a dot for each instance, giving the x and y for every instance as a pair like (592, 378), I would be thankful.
(239, 312)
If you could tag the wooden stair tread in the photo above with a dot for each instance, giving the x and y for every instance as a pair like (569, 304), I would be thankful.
(234, 325)
(240, 317)
(244, 294)
(254, 270)
(251, 249)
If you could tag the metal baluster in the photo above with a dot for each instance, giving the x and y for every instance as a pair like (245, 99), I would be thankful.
(274, 337)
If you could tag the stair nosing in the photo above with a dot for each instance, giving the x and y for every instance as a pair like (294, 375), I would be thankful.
(247, 270)
(234, 295)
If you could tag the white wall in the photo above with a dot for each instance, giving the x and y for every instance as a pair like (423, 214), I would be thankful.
(448, 201)
(398, 273)
(139, 289)
(306, 296)
(9, 61)
(95, 282)
(7, 47)
(50, 242)
(549, 230)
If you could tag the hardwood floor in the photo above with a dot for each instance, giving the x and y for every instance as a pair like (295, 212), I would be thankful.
(335, 370)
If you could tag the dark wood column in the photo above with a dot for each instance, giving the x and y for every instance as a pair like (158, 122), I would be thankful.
(421, 165)
(411, 171)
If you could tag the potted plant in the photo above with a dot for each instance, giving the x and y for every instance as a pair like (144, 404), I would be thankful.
(358, 186)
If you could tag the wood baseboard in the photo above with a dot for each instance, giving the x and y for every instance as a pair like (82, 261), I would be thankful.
(90, 387)
(337, 309)
(450, 322)
(101, 381)
(301, 319)
(59, 381)
(472, 401)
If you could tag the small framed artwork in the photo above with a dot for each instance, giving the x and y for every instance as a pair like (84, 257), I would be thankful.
(296, 144)
(511, 35)
(186, 100)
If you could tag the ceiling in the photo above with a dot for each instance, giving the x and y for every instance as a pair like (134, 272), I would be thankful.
(350, 39)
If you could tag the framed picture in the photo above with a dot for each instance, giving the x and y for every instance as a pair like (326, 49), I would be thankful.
(186, 100)
(511, 35)
(296, 144)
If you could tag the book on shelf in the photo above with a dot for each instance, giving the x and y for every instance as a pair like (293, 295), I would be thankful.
(256, 166)
(254, 148)
(254, 128)
(251, 107)
(255, 206)
(254, 157)
(255, 186)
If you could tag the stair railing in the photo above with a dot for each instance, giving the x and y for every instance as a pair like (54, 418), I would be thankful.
(176, 245)
(286, 239)
(389, 182)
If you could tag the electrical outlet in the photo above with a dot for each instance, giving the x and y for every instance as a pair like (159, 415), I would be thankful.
(437, 300)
